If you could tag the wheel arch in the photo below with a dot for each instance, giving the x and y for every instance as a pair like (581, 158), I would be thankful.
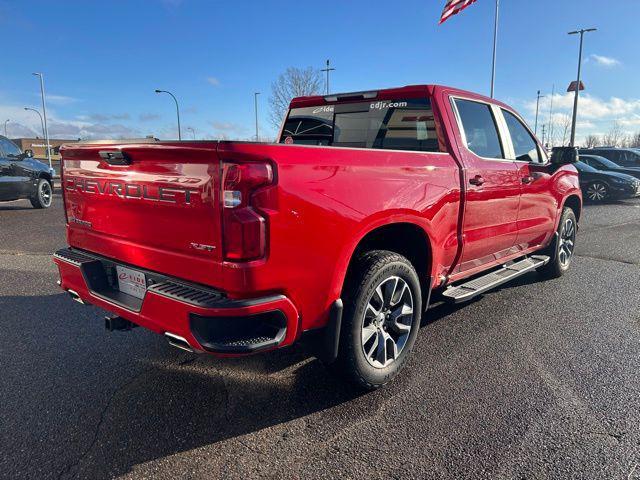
(45, 175)
(406, 238)
(574, 202)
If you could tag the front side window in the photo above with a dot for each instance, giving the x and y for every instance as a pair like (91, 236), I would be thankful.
(9, 148)
(525, 146)
(591, 162)
(480, 129)
(380, 124)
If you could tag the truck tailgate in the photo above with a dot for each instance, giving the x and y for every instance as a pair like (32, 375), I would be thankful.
(155, 206)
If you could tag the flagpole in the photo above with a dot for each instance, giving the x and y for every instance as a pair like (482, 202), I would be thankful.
(495, 48)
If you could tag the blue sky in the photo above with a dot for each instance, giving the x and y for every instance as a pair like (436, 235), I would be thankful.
(103, 60)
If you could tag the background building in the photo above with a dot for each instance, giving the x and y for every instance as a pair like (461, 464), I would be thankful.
(38, 146)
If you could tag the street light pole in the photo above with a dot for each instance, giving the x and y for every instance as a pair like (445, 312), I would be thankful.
(537, 108)
(44, 112)
(328, 69)
(41, 121)
(577, 93)
(193, 132)
(177, 110)
(255, 104)
(495, 48)
(5, 126)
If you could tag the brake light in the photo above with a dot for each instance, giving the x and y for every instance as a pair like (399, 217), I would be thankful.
(244, 227)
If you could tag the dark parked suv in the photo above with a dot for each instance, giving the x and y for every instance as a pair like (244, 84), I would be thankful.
(21, 176)
(625, 157)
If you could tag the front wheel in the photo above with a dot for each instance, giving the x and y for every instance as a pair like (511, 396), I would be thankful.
(597, 191)
(564, 246)
(43, 195)
(383, 305)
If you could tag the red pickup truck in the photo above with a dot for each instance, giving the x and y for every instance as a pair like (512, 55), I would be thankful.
(340, 231)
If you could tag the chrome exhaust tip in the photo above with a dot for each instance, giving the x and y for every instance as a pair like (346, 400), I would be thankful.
(76, 298)
(178, 342)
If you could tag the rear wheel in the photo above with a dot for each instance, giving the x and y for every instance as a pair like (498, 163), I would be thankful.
(597, 191)
(564, 247)
(383, 304)
(43, 195)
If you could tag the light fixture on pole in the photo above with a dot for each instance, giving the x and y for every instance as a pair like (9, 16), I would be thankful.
(5, 126)
(328, 69)
(255, 106)
(39, 115)
(193, 133)
(581, 32)
(177, 110)
(44, 113)
(537, 109)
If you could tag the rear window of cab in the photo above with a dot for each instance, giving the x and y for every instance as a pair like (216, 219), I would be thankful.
(379, 124)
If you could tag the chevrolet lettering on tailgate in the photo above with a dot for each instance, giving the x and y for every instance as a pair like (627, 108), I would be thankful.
(128, 190)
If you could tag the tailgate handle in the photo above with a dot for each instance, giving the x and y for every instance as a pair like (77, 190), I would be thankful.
(115, 157)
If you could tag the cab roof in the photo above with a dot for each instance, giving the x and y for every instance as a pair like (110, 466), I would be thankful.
(409, 91)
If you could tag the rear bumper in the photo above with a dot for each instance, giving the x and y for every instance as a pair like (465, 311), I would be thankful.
(206, 318)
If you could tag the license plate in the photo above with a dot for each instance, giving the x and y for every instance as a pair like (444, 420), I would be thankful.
(131, 282)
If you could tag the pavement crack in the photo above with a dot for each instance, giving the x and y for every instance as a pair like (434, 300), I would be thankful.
(616, 436)
(188, 361)
(15, 253)
(606, 259)
(250, 448)
(103, 413)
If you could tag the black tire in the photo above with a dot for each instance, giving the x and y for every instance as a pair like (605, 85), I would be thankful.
(564, 246)
(597, 191)
(44, 194)
(391, 272)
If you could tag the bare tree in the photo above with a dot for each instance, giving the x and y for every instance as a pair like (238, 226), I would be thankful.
(295, 82)
(592, 141)
(634, 140)
(565, 128)
(615, 136)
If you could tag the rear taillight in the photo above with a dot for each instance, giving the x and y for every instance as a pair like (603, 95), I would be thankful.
(245, 235)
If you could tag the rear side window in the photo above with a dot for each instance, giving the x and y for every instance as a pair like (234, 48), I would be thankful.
(524, 144)
(390, 125)
(480, 128)
(9, 148)
(628, 158)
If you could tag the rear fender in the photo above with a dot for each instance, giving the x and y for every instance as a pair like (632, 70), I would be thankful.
(369, 225)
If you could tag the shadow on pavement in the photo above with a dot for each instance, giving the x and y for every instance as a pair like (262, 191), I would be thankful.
(107, 402)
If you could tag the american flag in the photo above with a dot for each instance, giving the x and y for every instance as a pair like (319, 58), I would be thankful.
(454, 6)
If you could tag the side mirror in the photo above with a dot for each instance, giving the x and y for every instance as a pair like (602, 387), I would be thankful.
(28, 153)
(564, 155)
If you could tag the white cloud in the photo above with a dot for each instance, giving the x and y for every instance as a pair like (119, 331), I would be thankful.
(27, 124)
(590, 107)
(213, 81)
(605, 61)
(148, 117)
(60, 99)
(595, 115)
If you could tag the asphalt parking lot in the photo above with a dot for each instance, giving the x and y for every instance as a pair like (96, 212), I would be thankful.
(535, 380)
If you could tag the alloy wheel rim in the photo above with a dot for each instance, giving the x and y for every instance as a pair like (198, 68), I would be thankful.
(597, 191)
(45, 193)
(567, 242)
(387, 322)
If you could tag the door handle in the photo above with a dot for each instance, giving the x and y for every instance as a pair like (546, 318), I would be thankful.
(528, 179)
(477, 180)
